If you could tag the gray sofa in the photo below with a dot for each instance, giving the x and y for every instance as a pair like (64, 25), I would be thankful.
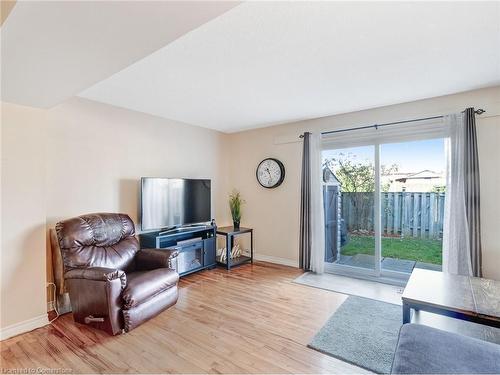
(425, 350)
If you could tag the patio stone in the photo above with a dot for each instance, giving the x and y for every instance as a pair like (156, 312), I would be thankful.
(429, 266)
(398, 265)
(388, 264)
(358, 260)
(344, 259)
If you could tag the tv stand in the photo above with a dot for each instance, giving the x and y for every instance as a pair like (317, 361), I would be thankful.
(183, 228)
(196, 246)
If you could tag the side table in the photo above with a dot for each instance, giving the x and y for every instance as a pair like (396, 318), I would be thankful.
(229, 233)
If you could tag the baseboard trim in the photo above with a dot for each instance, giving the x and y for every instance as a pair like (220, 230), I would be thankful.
(22, 327)
(276, 260)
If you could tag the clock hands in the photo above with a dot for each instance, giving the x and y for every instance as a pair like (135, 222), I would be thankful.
(269, 173)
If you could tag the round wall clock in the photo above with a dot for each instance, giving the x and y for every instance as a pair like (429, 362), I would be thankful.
(270, 173)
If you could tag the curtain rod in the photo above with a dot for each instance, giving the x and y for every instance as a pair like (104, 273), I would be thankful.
(479, 111)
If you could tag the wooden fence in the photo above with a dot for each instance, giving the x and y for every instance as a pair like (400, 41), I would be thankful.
(403, 214)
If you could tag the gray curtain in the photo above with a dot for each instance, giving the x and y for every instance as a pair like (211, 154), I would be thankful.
(472, 201)
(305, 207)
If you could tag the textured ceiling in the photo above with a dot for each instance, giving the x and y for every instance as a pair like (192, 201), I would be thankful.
(52, 50)
(263, 63)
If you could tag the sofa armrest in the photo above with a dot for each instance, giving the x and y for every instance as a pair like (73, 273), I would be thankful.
(97, 274)
(150, 259)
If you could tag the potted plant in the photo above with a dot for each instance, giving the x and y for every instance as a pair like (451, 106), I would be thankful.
(235, 203)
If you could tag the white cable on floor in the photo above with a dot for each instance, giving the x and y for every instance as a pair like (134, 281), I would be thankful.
(54, 302)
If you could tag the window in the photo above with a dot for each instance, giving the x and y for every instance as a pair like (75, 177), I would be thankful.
(384, 202)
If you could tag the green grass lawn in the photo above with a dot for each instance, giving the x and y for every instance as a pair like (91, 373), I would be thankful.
(421, 250)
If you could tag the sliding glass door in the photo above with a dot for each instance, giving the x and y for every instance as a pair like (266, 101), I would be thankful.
(384, 207)
(349, 196)
(413, 187)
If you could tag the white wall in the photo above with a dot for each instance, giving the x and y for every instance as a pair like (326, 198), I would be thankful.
(274, 214)
(23, 216)
(76, 158)
(488, 133)
(97, 154)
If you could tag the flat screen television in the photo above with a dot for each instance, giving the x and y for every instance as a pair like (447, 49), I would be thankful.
(172, 202)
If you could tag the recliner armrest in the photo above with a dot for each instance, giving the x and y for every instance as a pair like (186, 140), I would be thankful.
(150, 259)
(97, 274)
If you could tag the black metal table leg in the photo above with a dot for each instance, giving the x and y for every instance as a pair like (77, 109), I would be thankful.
(228, 251)
(406, 313)
(251, 246)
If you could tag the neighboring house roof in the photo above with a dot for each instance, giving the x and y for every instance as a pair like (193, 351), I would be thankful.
(329, 176)
(422, 175)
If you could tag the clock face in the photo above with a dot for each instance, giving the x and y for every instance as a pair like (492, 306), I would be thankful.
(270, 173)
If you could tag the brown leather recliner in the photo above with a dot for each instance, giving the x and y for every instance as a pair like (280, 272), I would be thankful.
(112, 283)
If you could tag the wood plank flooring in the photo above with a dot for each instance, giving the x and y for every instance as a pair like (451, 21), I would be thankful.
(252, 319)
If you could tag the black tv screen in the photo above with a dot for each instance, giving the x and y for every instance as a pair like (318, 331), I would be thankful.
(168, 202)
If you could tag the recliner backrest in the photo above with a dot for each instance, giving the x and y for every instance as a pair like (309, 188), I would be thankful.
(98, 240)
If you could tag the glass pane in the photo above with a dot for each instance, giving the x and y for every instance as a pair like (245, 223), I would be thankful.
(189, 260)
(349, 186)
(413, 187)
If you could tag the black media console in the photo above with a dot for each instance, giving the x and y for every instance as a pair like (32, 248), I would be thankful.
(196, 245)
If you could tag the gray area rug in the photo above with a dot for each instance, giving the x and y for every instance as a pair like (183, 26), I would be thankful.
(363, 332)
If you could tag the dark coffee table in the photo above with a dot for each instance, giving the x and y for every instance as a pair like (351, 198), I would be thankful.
(462, 297)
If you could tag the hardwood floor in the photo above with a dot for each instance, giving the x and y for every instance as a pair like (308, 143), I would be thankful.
(252, 319)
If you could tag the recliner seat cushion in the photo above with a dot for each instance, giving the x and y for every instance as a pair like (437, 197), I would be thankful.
(146, 310)
(144, 285)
